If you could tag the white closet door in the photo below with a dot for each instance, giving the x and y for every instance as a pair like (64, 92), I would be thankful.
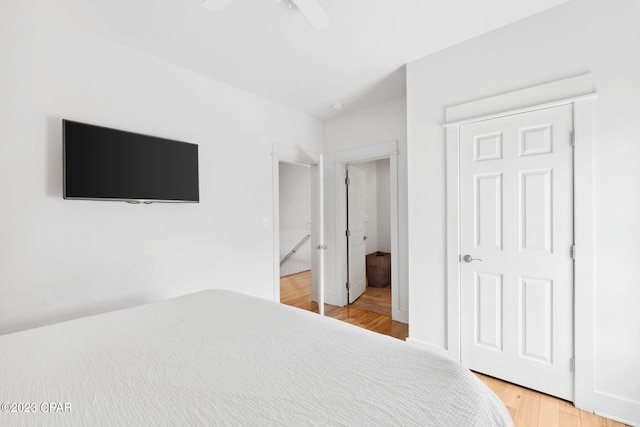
(516, 237)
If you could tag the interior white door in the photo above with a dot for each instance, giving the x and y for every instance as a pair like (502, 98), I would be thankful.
(516, 239)
(355, 234)
(320, 247)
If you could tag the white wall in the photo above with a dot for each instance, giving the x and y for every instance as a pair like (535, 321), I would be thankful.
(581, 36)
(60, 259)
(385, 121)
(295, 217)
(370, 206)
(377, 205)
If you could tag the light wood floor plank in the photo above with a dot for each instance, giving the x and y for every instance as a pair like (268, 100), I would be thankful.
(568, 408)
(512, 396)
(549, 411)
(529, 410)
(590, 420)
(568, 420)
(527, 407)
(611, 423)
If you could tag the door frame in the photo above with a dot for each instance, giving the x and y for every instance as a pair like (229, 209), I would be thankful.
(363, 154)
(579, 92)
(286, 154)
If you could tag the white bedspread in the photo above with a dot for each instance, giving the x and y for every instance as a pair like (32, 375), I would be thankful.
(221, 358)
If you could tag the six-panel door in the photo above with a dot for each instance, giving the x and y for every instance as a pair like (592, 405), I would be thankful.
(516, 222)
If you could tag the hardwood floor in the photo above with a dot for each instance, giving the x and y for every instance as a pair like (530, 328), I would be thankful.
(377, 300)
(295, 290)
(531, 408)
(528, 408)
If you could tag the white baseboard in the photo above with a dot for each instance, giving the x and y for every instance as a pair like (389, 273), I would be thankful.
(614, 407)
(332, 300)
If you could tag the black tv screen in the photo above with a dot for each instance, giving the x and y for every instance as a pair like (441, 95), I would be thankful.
(108, 164)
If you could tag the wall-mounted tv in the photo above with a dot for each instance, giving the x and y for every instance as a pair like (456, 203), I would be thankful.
(108, 164)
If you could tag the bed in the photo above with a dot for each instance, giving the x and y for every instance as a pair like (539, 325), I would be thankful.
(221, 358)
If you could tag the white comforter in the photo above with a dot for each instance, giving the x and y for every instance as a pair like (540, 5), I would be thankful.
(221, 358)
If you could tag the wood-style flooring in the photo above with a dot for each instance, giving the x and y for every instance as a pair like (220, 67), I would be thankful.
(295, 290)
(531, 408)
(377, 300)
(528, 408)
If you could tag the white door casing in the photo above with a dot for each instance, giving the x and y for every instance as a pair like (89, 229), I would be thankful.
(516, 220)
(578, 91)
(399, 285)
(355, 233)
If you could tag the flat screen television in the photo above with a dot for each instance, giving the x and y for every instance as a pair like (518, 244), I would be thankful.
(108, 164)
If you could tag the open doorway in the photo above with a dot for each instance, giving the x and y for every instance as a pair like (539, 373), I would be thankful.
(292, 163)
(387, 152)
(369, 253)
(295, 254)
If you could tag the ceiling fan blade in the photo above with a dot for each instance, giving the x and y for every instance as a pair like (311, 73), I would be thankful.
(314, 13)
(216, 5)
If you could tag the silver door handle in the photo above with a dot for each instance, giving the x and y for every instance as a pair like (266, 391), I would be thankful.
(469, 258)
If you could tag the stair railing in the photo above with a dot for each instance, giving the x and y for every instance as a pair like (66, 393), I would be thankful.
(293, 251)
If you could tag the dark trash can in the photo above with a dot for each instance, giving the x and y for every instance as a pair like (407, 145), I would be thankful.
(379, 269)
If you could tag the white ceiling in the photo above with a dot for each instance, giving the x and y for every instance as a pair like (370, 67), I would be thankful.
(266, 48)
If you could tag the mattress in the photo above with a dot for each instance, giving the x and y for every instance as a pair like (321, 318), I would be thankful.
(221, 358)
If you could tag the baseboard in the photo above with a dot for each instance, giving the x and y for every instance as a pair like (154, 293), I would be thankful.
(333, 300)
(400, 316)
(615, 408)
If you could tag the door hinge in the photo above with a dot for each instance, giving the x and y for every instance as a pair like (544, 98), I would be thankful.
(347, 181)
(347, 285)
(572, 364)
(348, 233)
(573, 138)
(573, 252)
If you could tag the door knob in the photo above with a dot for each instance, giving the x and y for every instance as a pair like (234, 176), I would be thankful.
(469, 258)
